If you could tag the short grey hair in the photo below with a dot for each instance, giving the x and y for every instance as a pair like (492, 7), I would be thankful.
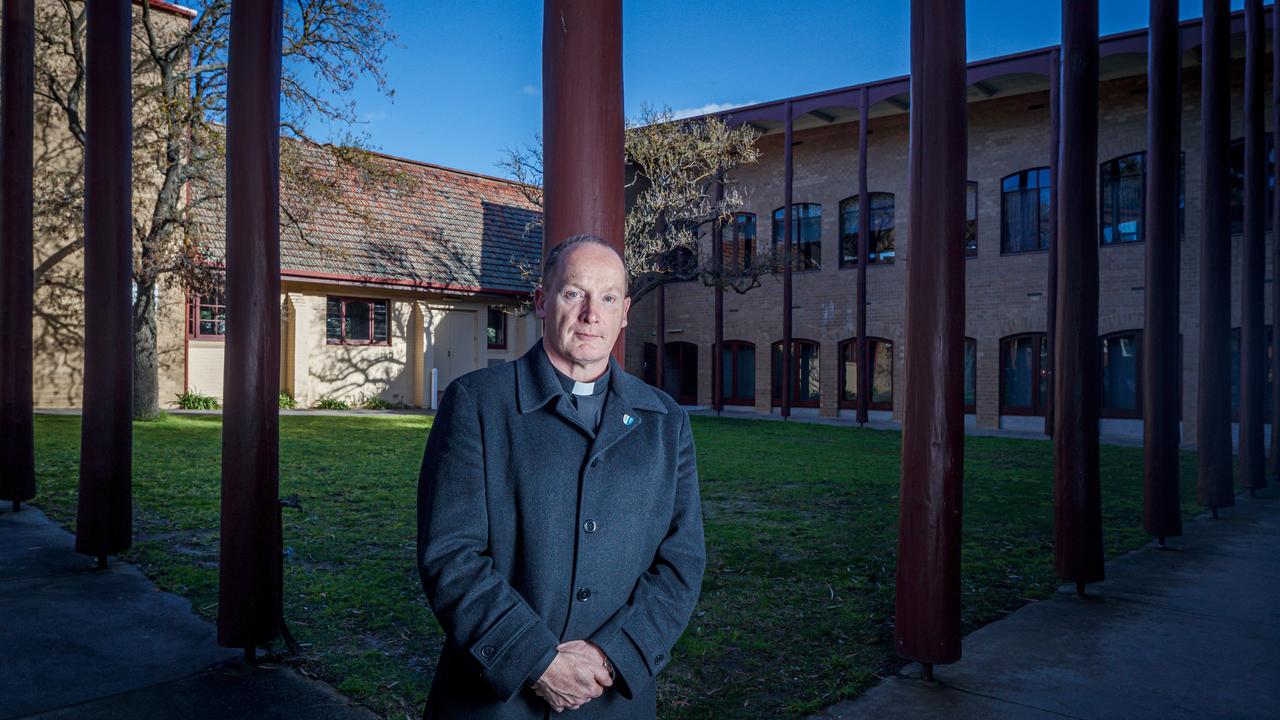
(553, 257)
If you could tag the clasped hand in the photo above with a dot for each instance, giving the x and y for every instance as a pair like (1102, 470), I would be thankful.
(578, 674)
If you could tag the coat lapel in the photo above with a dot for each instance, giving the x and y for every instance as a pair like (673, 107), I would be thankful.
(621, 415)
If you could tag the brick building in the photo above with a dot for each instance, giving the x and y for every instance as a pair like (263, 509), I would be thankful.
(1006, 258)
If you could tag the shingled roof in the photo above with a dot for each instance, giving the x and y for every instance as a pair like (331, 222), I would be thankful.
(431, 227)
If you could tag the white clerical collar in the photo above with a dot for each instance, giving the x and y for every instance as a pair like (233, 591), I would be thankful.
(581, 388)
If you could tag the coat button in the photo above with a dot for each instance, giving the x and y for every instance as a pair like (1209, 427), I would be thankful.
(487, 651)
(657, 659)
(584, 594)
(590, 526)
(595, 462)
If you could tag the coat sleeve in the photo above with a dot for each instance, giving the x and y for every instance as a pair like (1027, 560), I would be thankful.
(477, 608)
(639, 637)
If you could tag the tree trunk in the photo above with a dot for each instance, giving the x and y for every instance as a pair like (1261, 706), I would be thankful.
(146, 367)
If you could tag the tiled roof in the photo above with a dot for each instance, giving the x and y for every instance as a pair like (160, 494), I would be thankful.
(433, 227)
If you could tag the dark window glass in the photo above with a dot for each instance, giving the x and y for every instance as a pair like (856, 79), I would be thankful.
(682, 261)
(1120, 374)
(739, 246)
(680, 374)
(1237, 183)
(496, 328)
(738, 373)
(1122, 184)
(881, 246)
(804, 388)
(1023, 384)
(971, 219)
(357, 321)
(970, 375)
(806, 235)
(1235, 373)
(207, 316)
(1024, 211)
(881, 373)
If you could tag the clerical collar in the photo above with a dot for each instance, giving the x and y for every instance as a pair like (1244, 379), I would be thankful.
(574, 387)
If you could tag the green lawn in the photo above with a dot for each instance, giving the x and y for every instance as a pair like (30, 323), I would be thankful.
(796, 608)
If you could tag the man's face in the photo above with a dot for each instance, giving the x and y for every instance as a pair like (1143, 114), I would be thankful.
(583, 305)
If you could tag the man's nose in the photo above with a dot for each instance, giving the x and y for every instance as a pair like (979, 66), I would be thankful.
(590, 311)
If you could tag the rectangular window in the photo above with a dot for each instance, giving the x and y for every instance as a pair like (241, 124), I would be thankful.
(1120, 375)
(357, 321)
(740, 242)
(806, 236)
(1023, 383)
(206, 316)
(881, 243)
(970, 375)
(971, 219)
(1024, 211)
(497, 329)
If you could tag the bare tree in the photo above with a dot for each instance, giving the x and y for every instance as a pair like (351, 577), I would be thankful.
(672, 168)
(180, 75)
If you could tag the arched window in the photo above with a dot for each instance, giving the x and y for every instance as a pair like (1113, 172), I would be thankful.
(970, 375)
(881, 373)
(880, 249)
(1023, 383)
(1235, 373)
(1121, 374)
(806, 235)
(738, 373)
(804, 373)
(1024, 211)
(739, 245)
(680, 374)
(1237, 183)
(971, 219)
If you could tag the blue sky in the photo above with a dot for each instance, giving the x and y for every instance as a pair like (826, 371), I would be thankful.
(467, 73)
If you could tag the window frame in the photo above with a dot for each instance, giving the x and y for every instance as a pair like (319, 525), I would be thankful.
(1037, 407)
(740, 258)
(1105, 411)
(800, 262)
(876, 258)
(195, 302)
(842, 373)
(971, 184)
(501, 343)
(1115, 177)
(1004, 214)
(342, 303)
(795, 380)
(972, 408)
(734, 348)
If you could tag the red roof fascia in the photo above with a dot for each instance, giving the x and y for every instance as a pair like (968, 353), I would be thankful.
(169, 7)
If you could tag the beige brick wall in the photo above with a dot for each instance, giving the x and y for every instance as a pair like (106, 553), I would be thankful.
(1005, 294)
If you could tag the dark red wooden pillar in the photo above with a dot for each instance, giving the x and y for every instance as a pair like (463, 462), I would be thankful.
(104, 512)
(249, 587)
(1274, 459)
(582, 124)
(1213, 404)
(1253, 256)
(17, 84)
(717, 348)
(927, 623)
(1161, 399)
(788, 352)
(1077, 504)
(863, 348)
(1051, 301)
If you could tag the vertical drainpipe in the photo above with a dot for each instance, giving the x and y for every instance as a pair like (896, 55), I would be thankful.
(788, 352)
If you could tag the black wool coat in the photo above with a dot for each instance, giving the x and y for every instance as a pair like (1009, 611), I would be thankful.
(533, 531)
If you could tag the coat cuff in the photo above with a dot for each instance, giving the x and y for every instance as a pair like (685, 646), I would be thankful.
(512, 650)
(635, 661)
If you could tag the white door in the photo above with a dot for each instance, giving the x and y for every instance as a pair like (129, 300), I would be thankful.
(456, 346)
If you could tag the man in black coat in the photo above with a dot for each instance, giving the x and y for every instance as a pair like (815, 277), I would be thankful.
(559, 523)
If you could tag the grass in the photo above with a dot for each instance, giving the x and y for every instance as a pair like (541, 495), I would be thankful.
(797, 603)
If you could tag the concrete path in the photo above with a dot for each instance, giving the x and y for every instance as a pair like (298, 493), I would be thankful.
(78, 642)
(1191, 632)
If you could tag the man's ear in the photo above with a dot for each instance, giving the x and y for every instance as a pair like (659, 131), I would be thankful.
(626, 308)
(540, 302)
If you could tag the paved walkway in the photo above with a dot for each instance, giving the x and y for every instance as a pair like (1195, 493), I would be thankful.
(1192, 632)
(78, 642)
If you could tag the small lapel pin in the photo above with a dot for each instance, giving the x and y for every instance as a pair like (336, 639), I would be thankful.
(627, 420)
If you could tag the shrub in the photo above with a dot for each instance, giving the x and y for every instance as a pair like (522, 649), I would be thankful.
(287, 402)
(331, 404)
(373, 402)
(192, 400)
